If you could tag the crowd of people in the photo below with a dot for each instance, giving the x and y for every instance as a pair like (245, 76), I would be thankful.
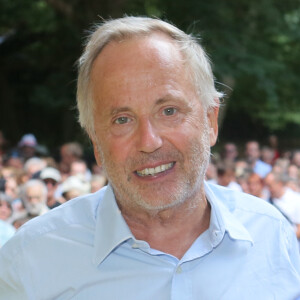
(32, 183)
(263, 172)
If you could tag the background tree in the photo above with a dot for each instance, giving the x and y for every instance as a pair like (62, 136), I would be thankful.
(254, 46)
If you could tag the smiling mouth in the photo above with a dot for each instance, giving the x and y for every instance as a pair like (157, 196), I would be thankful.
(156, 170)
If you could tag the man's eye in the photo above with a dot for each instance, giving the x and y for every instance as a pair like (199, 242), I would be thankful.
(122, 120)
(169, 111)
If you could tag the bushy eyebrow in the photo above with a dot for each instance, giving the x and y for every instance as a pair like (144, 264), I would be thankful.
(170, 99)
(117, 110)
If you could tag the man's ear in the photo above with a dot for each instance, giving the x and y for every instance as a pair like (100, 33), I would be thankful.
(212, 117)
(97, 153)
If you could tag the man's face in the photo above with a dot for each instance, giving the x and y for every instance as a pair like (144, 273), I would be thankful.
(35, 201)
(152, 135)
(255, 186)
(51, 186)
(252, 151)
(276, 188)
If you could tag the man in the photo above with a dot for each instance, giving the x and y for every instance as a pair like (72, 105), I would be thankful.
(285, 199)
(34, 197)
(229, 152)
(69, 153)
(146, 97)
(256, 187)
(253, 157)
(226, 175)
(28, 146)
(33, 167)
(51, 177)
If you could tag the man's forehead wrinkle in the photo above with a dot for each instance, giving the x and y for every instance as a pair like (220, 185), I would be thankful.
(156, 47)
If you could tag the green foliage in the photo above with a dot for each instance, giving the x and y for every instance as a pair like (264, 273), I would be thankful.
(254, 45)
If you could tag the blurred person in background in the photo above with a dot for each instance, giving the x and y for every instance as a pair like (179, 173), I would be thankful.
(6, 209)
(80, 168)
(14, 161)
(295, 159)
(74, 187)
(284, 199)
(226, 176)
(3, 148)
(293, 172)
(17, 223)
(52, 178)
(273, 143)
(69, 152)
(211, 172)
(268, 155)
(34, 196)
(11, 187)
(253, 153)
(256, 187)
(34, 166)
(229, 152)
(97, 182)
(27, 146)
(281, 165)
(294, 178)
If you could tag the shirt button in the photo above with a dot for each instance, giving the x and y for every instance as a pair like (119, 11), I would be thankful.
(216, 232)
(179, 270)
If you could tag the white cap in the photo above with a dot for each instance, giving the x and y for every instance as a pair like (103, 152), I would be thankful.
(74, 182)
(50, 173)
(28, 140)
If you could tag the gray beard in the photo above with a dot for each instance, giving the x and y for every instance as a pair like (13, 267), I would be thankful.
(185, 190)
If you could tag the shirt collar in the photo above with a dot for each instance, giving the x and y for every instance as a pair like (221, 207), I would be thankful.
(222, 218)
(111, 228)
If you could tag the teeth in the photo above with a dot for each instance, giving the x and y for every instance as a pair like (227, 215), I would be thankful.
(154, 171)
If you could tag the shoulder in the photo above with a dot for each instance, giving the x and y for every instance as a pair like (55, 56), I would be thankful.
(262, 164)
(265, 224)
(238, 202)
(77, 212)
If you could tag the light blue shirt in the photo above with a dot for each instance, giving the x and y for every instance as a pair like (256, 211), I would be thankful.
(262, 169)
(6, 232)
(85, 250)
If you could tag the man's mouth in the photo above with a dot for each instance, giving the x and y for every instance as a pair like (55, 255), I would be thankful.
(156, 170)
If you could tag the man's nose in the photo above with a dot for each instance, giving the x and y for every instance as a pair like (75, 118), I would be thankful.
(148, 137)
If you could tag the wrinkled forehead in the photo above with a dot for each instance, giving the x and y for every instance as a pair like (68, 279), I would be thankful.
(153, 47)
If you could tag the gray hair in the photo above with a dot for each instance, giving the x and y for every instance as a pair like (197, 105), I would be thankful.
(34, 161)
(129, 27)
(30, 183)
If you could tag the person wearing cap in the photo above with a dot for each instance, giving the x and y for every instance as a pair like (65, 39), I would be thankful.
(146, 97)
(51, 178)
(74, 186)
(27, 146)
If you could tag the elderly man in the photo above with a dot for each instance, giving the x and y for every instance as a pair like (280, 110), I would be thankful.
(253, 154)
(285, 199)
(34, 196)
(147, 99)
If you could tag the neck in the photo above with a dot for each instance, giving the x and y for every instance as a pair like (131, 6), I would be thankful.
(173, 230)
